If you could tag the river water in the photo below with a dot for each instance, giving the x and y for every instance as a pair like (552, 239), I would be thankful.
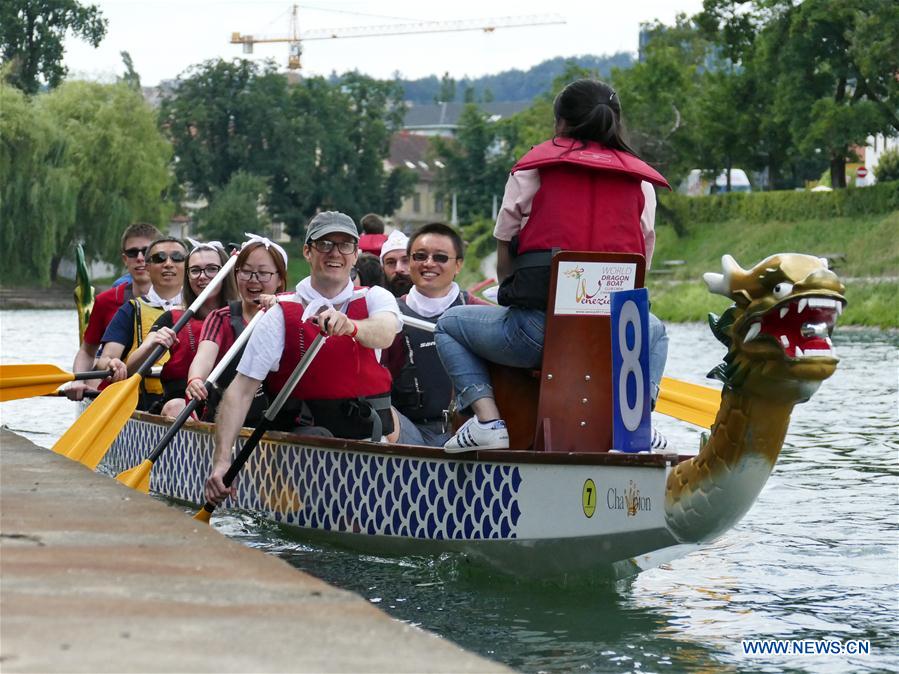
(815, 559)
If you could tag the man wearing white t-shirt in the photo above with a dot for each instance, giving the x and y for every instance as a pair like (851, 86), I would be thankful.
(345, 391)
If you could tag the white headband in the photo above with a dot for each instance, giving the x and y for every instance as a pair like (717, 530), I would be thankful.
(268, 243)
(200, 245)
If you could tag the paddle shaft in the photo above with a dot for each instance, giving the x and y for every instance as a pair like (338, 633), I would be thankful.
(270, 413)
(211, 386)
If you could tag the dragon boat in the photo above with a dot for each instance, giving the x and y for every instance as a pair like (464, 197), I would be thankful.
(562, 502)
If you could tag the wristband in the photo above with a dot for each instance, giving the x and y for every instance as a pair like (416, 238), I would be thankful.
(190, 381)
(355, 330)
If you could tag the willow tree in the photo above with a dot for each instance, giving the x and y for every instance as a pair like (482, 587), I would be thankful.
(115, 156)
(38, 192)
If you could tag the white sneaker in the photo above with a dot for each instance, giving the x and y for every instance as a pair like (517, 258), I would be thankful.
(473, 435)
(658, 441)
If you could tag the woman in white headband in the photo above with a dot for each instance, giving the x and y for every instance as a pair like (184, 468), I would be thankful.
(261, 271)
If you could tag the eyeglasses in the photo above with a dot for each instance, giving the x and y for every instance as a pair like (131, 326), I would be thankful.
(160, 257)
(326, 246)
(261, 276)
(439, 258)
(209, 271)
(134, 252)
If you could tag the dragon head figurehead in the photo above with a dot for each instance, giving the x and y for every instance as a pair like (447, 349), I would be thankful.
(778, 330)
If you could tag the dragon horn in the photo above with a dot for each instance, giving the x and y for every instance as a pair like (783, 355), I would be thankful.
(720, 284)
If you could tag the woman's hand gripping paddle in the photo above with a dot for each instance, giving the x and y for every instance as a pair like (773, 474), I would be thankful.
(692, 403)
(26, 381)
(139, 476)
(89, 438)
(206, 511)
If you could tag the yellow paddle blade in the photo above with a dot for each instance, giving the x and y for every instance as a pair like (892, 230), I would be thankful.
(203, 515)
(138, 477)
(693, 403)
(89, 438)
(26, 381)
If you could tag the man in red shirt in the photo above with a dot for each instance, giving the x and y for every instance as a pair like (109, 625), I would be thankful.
(135, 240)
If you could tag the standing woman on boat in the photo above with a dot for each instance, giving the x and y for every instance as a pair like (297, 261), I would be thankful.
(203, 263)
(585, 189)
(261, 271)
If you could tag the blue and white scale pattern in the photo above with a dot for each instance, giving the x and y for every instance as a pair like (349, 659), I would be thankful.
(339, 490)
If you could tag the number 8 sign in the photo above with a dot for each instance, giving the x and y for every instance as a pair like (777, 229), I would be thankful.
(630, 370)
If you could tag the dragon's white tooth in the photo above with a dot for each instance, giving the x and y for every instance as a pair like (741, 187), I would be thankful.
(784, 310)
(799, 353)
(753, 332)
(839, 308)
(802, 303)
(785, 341)
(829, 342)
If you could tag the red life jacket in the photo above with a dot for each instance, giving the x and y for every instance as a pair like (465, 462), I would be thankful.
(343, 369)
(589, 198)
(372, 243)
(182, 353)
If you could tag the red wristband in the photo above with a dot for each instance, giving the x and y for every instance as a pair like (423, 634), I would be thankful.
(355, 329)
(190, 381)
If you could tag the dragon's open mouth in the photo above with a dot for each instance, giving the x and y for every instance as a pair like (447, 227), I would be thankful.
(802, 326)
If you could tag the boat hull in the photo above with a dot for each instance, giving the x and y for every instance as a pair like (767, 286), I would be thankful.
(528, 514)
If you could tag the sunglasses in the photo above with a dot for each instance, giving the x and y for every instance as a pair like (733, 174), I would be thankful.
(162, 256)
(439, 258)
(209, 271)
(326, 246)
(134, 252)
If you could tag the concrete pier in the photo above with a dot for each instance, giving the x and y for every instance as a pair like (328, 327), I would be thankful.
(95, 577)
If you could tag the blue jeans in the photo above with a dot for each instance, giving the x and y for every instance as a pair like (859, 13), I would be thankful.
(469, 336)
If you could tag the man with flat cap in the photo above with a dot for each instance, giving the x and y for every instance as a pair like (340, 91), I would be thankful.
(346, 391)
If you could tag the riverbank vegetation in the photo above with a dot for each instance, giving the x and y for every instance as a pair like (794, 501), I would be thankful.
(863, 250)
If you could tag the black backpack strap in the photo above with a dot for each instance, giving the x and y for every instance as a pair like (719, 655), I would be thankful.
(235, 308)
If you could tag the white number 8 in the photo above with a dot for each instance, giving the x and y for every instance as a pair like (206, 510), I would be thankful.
(631, 416)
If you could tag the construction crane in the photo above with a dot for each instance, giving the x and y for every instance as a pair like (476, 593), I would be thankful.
(294, 38)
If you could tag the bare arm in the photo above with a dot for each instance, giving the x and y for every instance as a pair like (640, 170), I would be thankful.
(200, 367)
(228, 420)
(503, 261)
(111, 359)
(375, 332)
(84, 362)
(164, 336)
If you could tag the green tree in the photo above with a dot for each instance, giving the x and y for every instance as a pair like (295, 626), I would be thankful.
(117, 158)
(826, 90)
(131, 77)
(32, 34)
(318, 144)
(888, 166)
(236, 208)
(37, 192)
(476, 164)
(447, 93)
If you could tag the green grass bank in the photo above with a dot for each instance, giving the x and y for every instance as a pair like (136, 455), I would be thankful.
(863, 249)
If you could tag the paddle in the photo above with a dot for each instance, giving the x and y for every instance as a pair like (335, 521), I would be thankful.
(25, 381)
(139, 476)
(693, 403)
(267, 419)
(89, 438)
(89, 393)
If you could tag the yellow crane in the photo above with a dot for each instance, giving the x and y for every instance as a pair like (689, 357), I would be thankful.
(294, 38)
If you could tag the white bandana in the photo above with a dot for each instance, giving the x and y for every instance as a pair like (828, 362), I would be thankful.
(314, 301)
(396, 241)
(268, 243)
(431, 306)
(153, 298)
(200, 245)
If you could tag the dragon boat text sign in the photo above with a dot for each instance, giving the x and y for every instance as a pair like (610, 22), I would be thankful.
(584, 287)
(630, 371)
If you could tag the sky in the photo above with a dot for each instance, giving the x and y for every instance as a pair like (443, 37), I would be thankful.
(165, 37)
